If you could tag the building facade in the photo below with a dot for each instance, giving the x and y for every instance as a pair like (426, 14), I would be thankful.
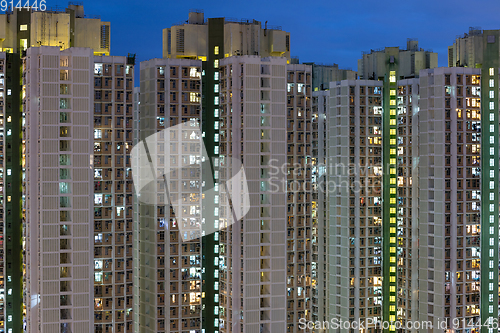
(170, 252)
(58, 187)
(113, 82)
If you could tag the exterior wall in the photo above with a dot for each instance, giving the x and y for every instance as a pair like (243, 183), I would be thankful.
(13, 175)
(253, 130)
(320, 209)
(355, 178)
(301, 206)
(170, 263)
(58, 190)
(113, 199)
(449, 128)
(407, 199)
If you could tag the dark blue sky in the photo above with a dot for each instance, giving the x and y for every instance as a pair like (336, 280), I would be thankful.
(324, 32)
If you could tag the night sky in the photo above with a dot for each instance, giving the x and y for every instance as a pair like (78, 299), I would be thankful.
(323, 32)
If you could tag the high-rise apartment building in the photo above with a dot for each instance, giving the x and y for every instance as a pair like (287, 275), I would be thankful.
(436, 199)
(113, 83)
(299, 195)
(355, 196)
(20, 30)
(450, 195)
(253, 130)
(70, 99)
(371, 175)
(320, 208)
(170, 252)
(24, 28)
(58, 190)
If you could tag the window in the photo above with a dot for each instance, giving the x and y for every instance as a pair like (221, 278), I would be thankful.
(64, 159)
(98, 69)
(216, 76)
(64, 174)
(216, 50)
(64, 188)
(216, 63)
(64, 103)
(24, 27)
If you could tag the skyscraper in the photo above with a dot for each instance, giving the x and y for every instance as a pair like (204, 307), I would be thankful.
(373, 191)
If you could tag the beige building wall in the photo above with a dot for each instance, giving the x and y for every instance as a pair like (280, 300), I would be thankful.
(58, 193)
(253, 129)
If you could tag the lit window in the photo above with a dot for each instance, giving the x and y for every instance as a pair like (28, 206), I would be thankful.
(492, 94)
(9, 172)
(216, 63)
(492, 83)
(216, 100)
(216, 112)
(24, 27)
(216, 50)
(216, 76)
(216, 125)
(216, 88)
(492, 71)
(492, 105)
(492, 116)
